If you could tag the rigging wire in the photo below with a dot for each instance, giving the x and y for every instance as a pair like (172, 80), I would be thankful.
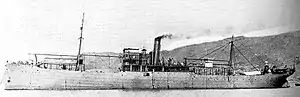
(214, 51)
(260, 58)
(221, 45)
(223, 49)
(212, 48)
(252, 52)
(245, 57)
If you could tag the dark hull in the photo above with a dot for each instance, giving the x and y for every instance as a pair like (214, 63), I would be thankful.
(26, 77)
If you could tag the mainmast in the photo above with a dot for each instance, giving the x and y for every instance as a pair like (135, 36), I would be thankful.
(80, 43)
(232, 57)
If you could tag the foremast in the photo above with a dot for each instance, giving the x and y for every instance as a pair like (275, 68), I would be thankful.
(80, 43)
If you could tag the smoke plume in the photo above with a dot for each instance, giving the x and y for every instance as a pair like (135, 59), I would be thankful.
(169, 36)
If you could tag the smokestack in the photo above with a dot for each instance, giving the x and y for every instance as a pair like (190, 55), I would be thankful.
(156, 51)
(156, 48)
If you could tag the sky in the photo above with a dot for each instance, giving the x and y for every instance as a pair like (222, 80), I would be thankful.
(53, 26)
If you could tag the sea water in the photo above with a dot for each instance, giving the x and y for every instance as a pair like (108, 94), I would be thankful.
(278, 92)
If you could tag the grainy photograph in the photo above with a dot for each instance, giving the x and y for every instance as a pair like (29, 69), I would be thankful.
(150, 48)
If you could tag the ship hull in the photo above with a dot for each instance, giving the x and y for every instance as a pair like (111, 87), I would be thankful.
(28, 77)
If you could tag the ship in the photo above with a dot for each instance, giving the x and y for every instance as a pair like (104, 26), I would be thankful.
(143, 70)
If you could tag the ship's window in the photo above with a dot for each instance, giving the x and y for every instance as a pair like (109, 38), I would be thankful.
(146, 74)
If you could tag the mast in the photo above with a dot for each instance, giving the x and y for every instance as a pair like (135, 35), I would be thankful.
(80, 43)
(232, 57)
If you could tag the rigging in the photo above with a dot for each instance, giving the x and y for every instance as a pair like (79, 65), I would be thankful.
(245, 58)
